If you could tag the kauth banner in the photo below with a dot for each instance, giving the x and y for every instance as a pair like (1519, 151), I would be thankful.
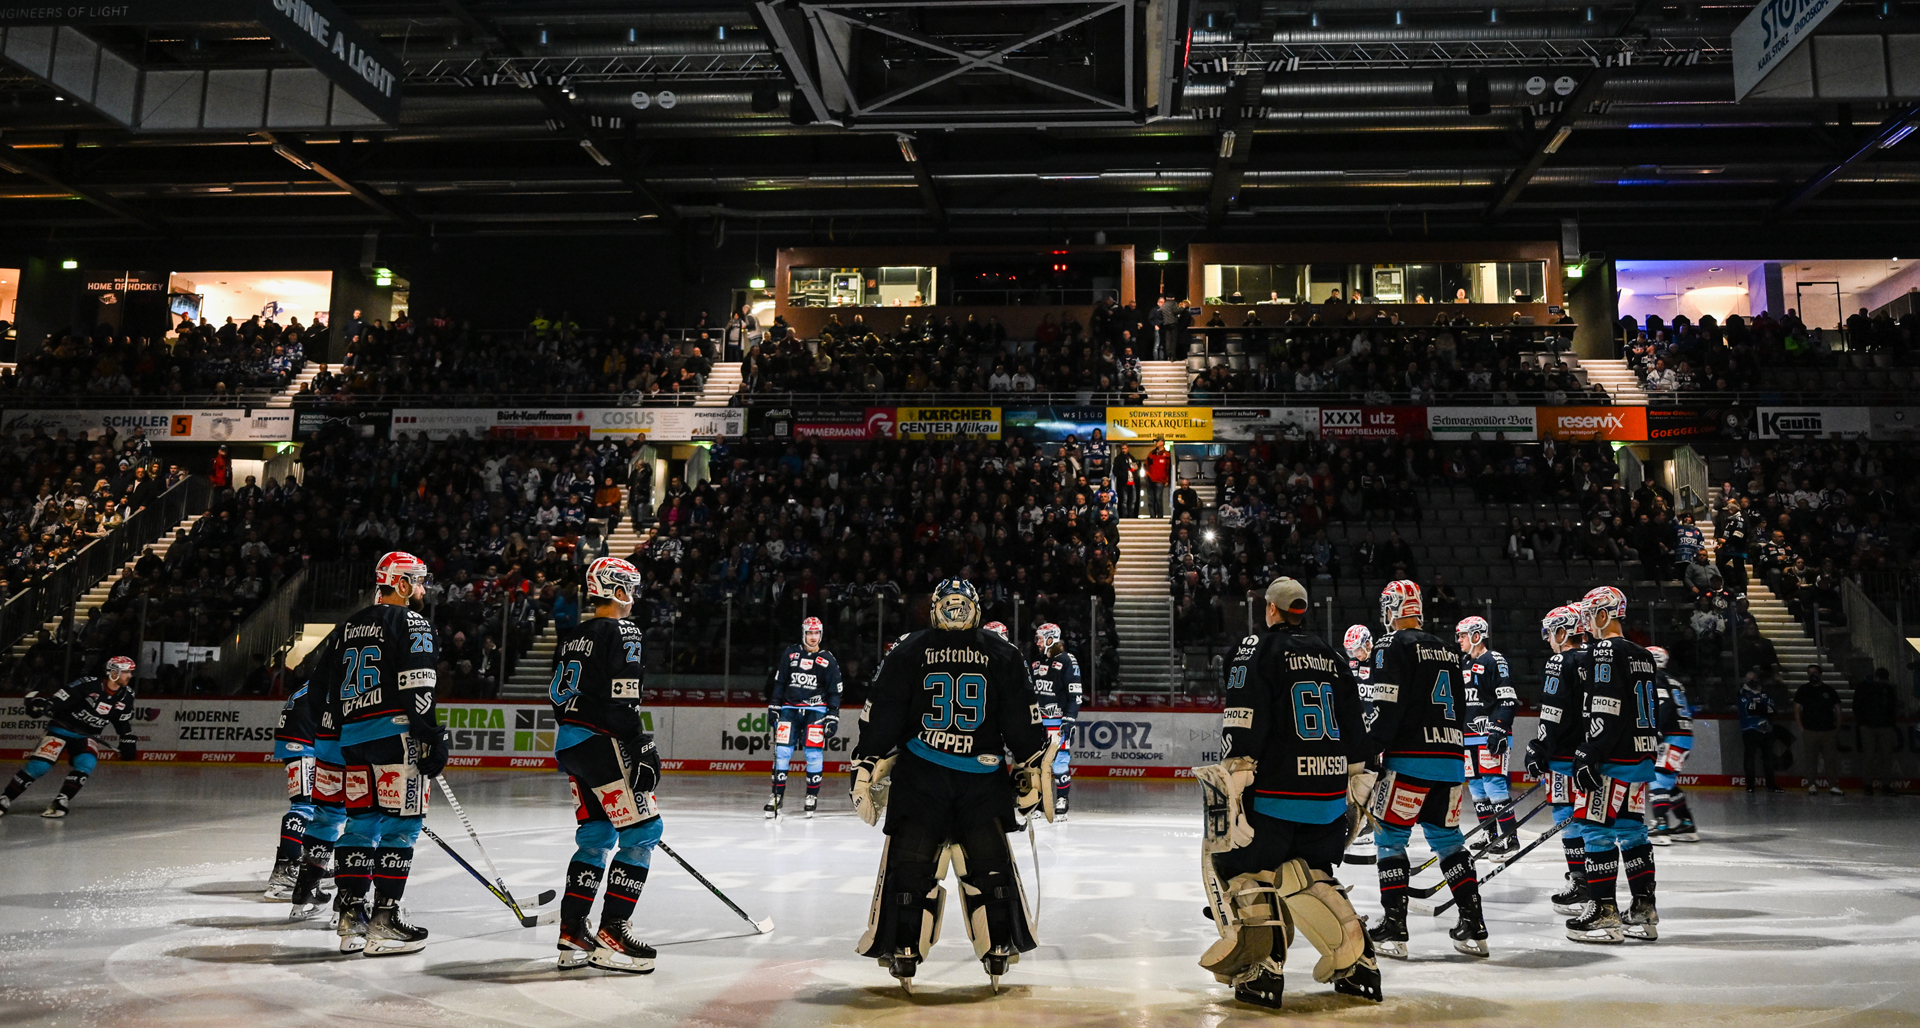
(1174, 424)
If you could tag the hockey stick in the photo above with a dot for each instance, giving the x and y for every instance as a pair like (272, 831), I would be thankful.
(526, 920)
(1427, 890)
(1423, 907)
(505, 893)
(1034, 848)
(763, 926)
(1475, 830)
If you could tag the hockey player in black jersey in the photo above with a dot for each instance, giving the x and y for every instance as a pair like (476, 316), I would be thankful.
(1676, 742)
(318, 704)
(1612, 772)
(393, 745)
(612, 768)
(293, 748)
(76, 714)
(1276, 810)
(1416, 683)
(1550, 755)
(1490, 702)
(803, 709)
(1056, 684)
(951, 702)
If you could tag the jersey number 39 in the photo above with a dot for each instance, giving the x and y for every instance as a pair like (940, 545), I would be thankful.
(959, 703)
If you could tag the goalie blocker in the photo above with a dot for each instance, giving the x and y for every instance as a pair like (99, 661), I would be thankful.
(1276, 811)
(948, 703)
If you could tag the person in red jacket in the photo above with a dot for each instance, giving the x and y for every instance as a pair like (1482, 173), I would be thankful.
(222, 476)
(1159, 474)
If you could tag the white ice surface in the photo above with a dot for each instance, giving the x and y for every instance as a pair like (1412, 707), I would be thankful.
(143, 908)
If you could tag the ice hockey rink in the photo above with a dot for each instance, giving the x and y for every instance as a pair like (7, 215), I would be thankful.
(143, 908)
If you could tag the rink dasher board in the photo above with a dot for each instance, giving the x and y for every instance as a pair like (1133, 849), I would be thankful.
(1124, 743)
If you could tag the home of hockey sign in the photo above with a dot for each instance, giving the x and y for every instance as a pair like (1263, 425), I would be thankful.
(352, 57)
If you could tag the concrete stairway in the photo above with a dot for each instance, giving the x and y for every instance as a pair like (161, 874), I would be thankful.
(284, 398)
(1142, 615)
(1165, 383)
(97, 595)
(531, 676)
(720, 385)
(1789, 636)
(1617, 379)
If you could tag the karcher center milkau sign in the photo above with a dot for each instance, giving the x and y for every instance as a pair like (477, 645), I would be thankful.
(352, 57)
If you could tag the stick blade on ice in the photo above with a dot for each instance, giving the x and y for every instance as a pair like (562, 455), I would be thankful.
(764, 925)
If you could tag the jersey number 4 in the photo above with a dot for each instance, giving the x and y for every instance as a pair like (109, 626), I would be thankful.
(1443, 692)
(959, 703)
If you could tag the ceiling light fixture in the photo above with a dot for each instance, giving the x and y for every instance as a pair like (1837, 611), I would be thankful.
(1559, 137)
(594, 152)
(906, 149)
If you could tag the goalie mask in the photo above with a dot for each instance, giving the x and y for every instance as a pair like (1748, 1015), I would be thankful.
(956, 605)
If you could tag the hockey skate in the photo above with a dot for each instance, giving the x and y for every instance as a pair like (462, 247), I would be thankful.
(1262, 985)
(1389, 937)
(902, 965)
(1363, 978)
(772, 809)
(1599, 923)
(5, 802)
(388, 932)
(1502, 849)
(1572, 899)
(1059, 807)
(996, 962)
(617, 949)
(1660, 836)
(576, 944)
(350, 923)
(58, 808)
(1641, 921)
(1469, 935)
(286, 874)
(1362, 851)
(1685, 832)
(308, 901)
(812, 804)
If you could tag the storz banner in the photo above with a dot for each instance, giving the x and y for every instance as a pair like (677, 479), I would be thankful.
(1813, 422)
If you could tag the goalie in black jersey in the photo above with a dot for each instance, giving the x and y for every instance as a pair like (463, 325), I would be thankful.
(76, 714)
(612, 767)
(949, 705)
(1276, 807)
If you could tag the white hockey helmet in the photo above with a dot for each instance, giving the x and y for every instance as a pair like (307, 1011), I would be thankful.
(1561, 621)
(613, 580)
(1474, 628)
(121, 666)
(1660, 656)
(1046, 636)
(1602, 599)
(812, 631)
(1358, 642)
(997, 629)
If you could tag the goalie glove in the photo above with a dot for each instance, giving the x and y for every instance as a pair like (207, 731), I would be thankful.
(1240, 771)
(870, 780)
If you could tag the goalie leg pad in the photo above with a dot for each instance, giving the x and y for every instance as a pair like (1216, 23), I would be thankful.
(1318, 908)
(1246, 918)
(991, 894)
(907, 897)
